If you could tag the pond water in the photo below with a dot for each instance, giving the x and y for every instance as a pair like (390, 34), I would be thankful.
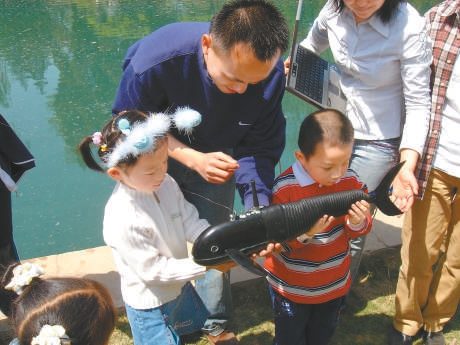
(60, 63)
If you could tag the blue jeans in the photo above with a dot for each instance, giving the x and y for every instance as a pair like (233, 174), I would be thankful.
(184, 315)
(371, 160)
(214, 202)
(150, 326)
(304, 324)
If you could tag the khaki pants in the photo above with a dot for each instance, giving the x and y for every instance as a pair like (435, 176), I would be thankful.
(428, 289)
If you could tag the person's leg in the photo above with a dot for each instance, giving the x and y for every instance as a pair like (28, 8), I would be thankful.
(423, 233)
(323, 321)
(150, 327)
(290, 320)
(8, 253)
(444, 294)
(214, 202)
(187, 313)
(371, 160)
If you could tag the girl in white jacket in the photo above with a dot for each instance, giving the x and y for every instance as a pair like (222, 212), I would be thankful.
(147, 223)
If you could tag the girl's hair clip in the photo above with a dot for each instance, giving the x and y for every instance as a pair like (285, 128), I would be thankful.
(51, 335)
(124, 126)
(186, 119)
(97, 138)
(23, 275)
(142, 137)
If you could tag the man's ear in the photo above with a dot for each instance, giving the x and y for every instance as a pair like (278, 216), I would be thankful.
(206, 42)
(115, 173)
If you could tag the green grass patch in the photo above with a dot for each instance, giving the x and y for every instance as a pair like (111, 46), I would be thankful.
(366, 320)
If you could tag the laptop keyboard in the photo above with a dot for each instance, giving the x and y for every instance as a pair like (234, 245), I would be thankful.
(309, 81)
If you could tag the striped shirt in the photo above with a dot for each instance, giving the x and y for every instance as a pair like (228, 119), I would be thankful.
(316, 271)
(443, 28)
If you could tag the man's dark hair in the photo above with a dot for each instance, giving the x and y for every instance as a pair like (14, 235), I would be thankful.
(256, 22)
(385, 13)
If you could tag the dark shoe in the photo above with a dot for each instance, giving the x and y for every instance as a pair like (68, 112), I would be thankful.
(225, 338)
(433, 338)
(398, 338)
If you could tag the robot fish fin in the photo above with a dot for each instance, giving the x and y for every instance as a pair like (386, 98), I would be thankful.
(245, 262)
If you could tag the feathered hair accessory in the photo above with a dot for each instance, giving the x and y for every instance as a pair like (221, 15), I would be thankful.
(141, 137)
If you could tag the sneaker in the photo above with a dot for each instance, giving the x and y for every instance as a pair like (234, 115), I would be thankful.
(398, 338)
(224, 338)
(433, 338)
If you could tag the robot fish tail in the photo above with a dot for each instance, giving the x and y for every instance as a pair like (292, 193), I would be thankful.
(381, 195)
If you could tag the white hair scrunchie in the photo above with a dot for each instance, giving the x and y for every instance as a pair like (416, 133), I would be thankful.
(23, 275)
(51, 335)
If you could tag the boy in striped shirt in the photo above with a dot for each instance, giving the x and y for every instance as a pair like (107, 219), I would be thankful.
(310, 277)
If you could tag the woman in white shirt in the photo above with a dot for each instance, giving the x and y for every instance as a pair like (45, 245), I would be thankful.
(384, 55)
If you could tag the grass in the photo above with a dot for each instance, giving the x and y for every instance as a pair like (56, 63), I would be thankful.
(366, 320)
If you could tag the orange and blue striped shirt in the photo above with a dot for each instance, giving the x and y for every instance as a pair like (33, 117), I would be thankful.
(316, 271)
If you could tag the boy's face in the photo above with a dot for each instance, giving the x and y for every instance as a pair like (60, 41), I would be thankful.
(149, 171)
(327, 164)
(233, 72)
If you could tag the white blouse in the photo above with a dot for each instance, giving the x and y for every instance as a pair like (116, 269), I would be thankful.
(385, 71)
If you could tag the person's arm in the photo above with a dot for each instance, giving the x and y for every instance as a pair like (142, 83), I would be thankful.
(405, 185)
(259, 152)
(317, 39)
(415, 72)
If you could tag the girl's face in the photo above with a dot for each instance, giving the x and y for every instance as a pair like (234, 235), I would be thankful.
(363, 9)
(148, 173)
(328, 163)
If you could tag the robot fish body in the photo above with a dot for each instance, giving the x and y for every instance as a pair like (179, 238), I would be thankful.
(249, 234)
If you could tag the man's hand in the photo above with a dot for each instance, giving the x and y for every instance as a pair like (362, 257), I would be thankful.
(404, 188)
(405, 185)
(216, 167)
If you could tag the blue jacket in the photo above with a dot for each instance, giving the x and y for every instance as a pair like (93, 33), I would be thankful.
(166, 69)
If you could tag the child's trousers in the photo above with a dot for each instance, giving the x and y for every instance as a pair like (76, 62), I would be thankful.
(304, 324)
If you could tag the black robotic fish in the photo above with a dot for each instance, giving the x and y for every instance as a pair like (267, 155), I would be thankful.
(238, 239)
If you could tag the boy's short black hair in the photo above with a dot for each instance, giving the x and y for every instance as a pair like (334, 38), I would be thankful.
(325, 125)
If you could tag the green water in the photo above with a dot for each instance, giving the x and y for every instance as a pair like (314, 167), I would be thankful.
(60, 63)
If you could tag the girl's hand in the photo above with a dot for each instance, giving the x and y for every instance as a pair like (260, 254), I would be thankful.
(223, 267)
(271, 248)
(358, 212)
(320, 225)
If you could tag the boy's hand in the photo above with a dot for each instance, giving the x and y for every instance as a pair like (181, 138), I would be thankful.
(358, 212)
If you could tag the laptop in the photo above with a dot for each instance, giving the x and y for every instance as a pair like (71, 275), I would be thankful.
(312, 78)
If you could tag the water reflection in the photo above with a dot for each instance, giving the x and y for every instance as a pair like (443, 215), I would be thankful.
(60, 63)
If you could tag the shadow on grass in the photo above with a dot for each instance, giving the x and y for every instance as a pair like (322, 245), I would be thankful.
(366, 320)
(367, 317)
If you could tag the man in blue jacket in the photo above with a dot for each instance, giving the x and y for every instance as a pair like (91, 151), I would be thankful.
(231, 71)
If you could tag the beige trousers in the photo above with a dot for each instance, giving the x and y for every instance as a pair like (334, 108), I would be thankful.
(428, 289)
